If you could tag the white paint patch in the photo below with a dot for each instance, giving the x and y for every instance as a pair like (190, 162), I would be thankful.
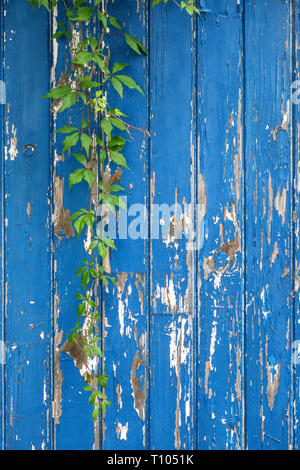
(13, 151)
(121, 312)
(122, 431)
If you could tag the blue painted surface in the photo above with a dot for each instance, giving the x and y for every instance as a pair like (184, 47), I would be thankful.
(199, 343)
(27, 302)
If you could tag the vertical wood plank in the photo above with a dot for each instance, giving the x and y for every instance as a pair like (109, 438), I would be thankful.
(268, 229)
(2, 352)
(126, 306)
(71, 410)
(295, 324)
(220, 187)
(171, 263)
(27, 258)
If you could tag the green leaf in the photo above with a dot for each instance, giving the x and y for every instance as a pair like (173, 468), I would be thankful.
(85, 279)
(109, 243)
(89, 177)
(114, 23)
(118, 159)
(87, 83)
(76, 177)
(99, 141)
(83, 58)
(95, 413)
(89, 220)
(61, 25)
(102, 18)
(80, 270)
(58, 34)
(117, 86)
(92, 398)
(118, 124)
(67, 129)
(86, 142)
(79, 224)
(80, 158)
(84, 14)
(70, 141)
(102, 156)
(155, 2)
(116, 187)
(135, 44)
(129, 82)
(102, 250)
(106, 127)
(81, 310)
(58, 92)
(75, 215)
(32, 3)
(68, 101)
(100, 62)
(79, 297)
(93, 43)
(118, 66)
(93, 245)
(116, 143)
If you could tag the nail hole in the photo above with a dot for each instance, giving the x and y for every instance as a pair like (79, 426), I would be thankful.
(29, 150)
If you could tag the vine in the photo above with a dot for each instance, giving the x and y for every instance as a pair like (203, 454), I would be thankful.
(100, 147)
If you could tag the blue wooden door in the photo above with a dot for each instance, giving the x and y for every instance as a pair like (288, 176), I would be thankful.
(200, 335)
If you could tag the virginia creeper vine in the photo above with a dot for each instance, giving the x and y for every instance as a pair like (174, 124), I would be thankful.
(97, 150)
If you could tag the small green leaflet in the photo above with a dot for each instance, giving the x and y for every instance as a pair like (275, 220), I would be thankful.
(118, 66)
(129, 82)
(115, 23)
(83, 14)
(58, 92)
(117, 86)
(135, 44)
(67, 129)
(68, 101)
(118, 159)
(70, 141)
(86, 142)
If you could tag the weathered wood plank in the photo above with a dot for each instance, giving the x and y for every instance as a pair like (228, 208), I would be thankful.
(126, 341)
(71, 411)
(171, 262)
(171, 394)
(2, 352)
(27, 227)
(126, 307)
(269, 312)
(295, 128)
(220, 376)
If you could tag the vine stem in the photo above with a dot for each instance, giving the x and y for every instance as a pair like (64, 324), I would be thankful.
(93, 273)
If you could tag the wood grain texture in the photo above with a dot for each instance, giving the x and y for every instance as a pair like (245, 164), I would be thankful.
(269, 312)
(27, 321)
(70, 402)
(199, 344)
(295, 128)
(171, 262)
(2, 365)
(220, 377)
(125, 312)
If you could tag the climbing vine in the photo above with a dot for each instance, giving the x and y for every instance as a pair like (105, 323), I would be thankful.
(98, 150)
